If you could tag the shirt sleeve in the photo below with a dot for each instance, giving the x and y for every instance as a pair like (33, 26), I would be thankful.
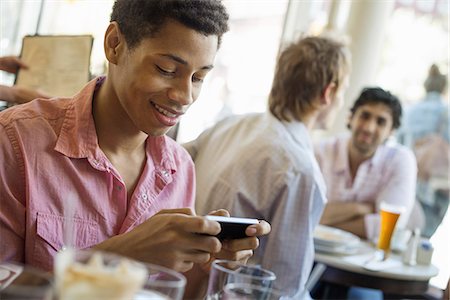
(289, 249)
(401, 184)
(12, 199)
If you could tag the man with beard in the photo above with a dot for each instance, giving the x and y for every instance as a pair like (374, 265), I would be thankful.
(362, 170)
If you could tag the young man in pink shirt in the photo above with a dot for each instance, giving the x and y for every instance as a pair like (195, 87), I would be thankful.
(100, 161)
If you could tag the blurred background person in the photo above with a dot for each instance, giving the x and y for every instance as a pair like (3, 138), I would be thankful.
(262, 165)
(362, 169)
(15, 94)
(426, 131)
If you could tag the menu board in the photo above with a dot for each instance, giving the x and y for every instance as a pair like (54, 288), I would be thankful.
(58, 64)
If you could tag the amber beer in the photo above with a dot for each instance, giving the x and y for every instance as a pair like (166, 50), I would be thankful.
(389, 215)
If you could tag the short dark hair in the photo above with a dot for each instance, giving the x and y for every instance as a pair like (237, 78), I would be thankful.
(435, 82)
(375, 95)
(138, 19)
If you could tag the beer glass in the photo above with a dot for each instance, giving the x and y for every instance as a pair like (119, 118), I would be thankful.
(389, 215)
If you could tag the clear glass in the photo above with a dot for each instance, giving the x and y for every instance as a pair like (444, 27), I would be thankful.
(242, 291)
(83, 274)
(23, 282)
(225, 272)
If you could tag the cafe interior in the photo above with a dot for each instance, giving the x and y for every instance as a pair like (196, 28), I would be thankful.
(393, 44)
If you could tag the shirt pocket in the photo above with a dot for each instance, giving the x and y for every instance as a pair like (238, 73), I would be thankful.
(50, 231)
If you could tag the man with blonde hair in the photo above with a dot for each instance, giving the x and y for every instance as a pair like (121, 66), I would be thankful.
(263, 165)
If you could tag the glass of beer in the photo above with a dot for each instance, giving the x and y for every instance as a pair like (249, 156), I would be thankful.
(389, 215)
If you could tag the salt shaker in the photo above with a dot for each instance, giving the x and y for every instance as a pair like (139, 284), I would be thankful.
(410, 255)
(424, 252)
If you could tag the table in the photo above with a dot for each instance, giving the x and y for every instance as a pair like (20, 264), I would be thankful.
(396, 280)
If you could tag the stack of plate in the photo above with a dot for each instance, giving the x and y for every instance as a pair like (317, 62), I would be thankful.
(332, 240)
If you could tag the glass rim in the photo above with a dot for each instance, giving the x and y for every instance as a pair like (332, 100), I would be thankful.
(269, 274)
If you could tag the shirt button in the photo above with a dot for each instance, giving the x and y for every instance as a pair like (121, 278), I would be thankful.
(165, 173)
(144, 196)
(118, 187)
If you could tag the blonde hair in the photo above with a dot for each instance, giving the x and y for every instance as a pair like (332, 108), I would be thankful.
(303, 71)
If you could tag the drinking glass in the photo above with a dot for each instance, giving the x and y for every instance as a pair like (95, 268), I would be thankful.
(242, 291)
(87, 274)
(389, 215)
(23, 282)
(225, 272)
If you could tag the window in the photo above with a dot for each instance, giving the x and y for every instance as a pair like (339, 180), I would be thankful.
(241, 79)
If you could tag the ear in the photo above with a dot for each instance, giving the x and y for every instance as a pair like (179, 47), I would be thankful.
(114, 43)
(328, 93)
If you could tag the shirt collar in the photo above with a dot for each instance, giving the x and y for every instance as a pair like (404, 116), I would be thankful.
(78, 137)
(433, 96)
(342, 160)
(341, 149)
(297, 130)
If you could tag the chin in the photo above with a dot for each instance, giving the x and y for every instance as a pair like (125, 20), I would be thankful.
(157, 132)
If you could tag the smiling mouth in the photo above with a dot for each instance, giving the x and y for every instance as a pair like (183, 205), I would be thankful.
(164, 111)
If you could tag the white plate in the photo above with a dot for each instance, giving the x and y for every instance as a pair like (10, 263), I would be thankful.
(334, 237)
(336, 250)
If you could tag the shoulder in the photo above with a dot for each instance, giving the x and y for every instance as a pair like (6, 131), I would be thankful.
(330, 146)
(43, 109)
(35, 123)
(395, 154)
(237, 123)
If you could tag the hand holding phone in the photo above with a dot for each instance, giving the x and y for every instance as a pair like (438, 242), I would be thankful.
(231, 227)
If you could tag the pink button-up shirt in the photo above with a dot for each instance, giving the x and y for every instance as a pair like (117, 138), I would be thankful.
(52, 173)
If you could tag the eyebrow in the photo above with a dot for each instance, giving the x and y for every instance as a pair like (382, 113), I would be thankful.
(183, 62)
(378, 118)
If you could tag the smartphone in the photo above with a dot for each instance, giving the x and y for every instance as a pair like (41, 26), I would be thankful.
(231, 227)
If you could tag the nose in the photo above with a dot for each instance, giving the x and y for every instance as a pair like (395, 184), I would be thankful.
(181, 92)
(370, 125)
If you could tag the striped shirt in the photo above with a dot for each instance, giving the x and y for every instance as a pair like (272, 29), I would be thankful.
(256, 166)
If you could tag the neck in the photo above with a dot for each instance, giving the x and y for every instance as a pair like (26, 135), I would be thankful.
(116, 132)
(356, 158)
(309, 119)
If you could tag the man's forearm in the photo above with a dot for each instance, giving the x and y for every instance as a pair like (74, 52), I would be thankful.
(339, 212)
(355, 226)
